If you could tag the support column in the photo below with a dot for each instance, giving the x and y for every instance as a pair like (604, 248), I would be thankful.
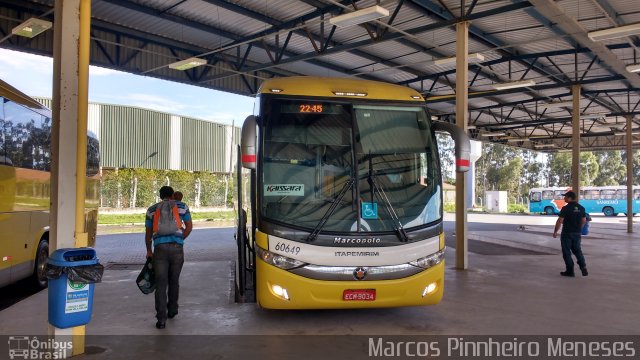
(575, 141)
(69, 137)
(462, 115)
(629, 144)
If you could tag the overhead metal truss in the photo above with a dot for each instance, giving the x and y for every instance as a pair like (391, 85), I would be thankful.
(253, 41)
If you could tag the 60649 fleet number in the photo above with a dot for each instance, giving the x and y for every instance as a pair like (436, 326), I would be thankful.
(287, 248)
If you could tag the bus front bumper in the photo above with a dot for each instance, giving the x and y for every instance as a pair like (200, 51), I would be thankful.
(305, 293)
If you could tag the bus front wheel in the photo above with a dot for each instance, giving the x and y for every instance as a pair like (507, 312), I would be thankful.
(548, 210)
(608, 211)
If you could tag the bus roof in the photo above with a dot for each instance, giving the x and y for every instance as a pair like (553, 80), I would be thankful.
(567, 188)
(9, 92)
(327, 87)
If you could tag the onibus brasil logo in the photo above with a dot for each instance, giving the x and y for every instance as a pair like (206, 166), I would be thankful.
(24, 347)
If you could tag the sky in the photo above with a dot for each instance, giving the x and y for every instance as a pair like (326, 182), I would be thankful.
(33, 75)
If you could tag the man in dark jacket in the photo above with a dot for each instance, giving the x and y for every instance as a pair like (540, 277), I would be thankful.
(572, 218)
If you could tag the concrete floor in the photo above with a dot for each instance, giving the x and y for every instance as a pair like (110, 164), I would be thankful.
(499, 295)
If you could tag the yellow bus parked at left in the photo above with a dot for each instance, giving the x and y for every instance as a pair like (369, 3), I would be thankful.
(25, 187)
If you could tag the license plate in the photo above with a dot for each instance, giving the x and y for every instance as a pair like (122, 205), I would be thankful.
(359, 295)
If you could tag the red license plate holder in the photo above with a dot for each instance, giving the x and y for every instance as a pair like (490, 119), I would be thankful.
(359, 295)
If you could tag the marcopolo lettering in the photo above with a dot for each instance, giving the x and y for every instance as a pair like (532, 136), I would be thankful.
(341, 240)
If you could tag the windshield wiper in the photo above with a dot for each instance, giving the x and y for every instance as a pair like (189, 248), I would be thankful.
(334, 205)
(378, 191)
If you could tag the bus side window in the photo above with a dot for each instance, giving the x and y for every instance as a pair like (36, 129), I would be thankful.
(636, 194)
(547, 195)
(535, 197)
(607, 194)
(593, 195)
(559, 194)
(621, 194)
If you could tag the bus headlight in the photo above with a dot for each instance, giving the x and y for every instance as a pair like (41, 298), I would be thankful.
(429, 261)
(279, 261)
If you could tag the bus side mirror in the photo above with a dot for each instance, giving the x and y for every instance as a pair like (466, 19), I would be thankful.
(463, 145)
(248, 143)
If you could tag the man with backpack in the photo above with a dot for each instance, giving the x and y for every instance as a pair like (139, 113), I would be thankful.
(163, 225)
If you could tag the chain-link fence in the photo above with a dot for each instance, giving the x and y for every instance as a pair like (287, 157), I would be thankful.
(138, 188)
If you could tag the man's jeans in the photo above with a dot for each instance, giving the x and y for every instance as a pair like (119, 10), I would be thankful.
(570, 242)
(167, 264)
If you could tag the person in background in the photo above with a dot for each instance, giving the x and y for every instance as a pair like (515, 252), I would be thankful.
(168, 253)
(572, 218)
(177, 196)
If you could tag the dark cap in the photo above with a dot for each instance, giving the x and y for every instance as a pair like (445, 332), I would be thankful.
(570, 194)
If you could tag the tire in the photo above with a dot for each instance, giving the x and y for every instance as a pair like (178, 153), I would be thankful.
(548, 210)
(608, 211)
(38, 279)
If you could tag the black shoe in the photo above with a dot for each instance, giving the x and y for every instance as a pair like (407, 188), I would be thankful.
(171, 315)
(584, 271)
(160, 325)
(567, 273)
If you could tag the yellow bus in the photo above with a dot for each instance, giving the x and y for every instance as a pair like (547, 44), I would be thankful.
(346, 196)
(25, 164)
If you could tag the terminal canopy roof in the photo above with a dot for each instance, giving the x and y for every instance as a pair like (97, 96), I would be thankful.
(546, 42)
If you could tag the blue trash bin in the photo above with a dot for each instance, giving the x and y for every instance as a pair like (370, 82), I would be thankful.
(70, 303)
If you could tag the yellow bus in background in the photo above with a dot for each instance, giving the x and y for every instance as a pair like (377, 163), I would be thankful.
(346, 196)
(25, 187)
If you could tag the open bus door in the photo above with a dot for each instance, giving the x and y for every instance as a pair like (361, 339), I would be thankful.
(245, 284)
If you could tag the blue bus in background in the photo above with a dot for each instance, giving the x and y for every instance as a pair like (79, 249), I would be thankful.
(609, 200)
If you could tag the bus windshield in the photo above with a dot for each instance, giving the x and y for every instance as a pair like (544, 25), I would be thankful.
(354, 168)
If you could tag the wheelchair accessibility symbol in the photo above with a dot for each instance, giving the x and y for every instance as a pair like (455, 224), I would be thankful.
(369, 210)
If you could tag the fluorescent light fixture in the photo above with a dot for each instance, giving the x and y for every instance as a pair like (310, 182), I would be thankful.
(187, 63)
(557, 104)
(517, 139)
(592, 116)
(542, 146)
(615, 125)
(31, 27)
(471, 127)
(359, 16)
(633, 68)
(493, 134)
(434, 118)
(635, 142)
(275, 90)
(473, 58)
(614, 33)
(416, 97)
(514, 84)
(620, 133)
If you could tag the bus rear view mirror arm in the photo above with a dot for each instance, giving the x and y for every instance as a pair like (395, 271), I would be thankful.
(463, 146)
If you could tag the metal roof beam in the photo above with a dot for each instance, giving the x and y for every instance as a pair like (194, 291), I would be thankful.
(444, 98)
(552, 11)
(393, 36)
(478, 34)
(210, 29)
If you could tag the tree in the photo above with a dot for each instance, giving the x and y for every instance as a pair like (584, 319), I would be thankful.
(560, 169)
(589, 168)
(612, 169)
(636, 167)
